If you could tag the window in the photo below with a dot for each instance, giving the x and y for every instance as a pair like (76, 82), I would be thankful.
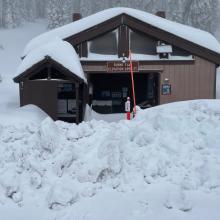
(142, 44)
(105, 44)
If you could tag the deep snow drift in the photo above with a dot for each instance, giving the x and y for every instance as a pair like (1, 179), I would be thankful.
(165, 164)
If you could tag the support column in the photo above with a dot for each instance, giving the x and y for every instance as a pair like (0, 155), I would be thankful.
(49, 72)
(83, 49)
(123, 41)
(77, 102)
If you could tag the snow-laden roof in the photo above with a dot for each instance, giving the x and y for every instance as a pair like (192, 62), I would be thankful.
(60, 51)
(191, 34)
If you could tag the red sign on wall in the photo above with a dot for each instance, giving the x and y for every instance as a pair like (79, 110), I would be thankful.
(122, 67)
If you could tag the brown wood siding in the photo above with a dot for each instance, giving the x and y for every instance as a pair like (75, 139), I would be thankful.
(41, 93)
(189, 81)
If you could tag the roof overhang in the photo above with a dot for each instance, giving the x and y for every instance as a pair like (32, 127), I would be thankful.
(46, 62)
(145, 28)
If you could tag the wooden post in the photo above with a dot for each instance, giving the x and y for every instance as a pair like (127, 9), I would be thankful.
(83, 49)
(123, 44)
(77, 102)
(49, 72)
(48, 67)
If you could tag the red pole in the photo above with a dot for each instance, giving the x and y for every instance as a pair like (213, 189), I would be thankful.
(132, 81)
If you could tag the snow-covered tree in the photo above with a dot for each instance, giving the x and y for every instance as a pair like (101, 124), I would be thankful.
(86, 7)
(57, 12)
(199, 13)
(175, 10)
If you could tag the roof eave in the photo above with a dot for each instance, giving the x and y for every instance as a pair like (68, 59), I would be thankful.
(47, 61)
(146, 28)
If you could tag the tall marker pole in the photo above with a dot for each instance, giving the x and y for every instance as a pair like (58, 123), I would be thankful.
(132, 81)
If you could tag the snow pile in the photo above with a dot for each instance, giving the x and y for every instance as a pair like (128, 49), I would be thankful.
(60, 51)
(29, 114)
(90, 114)
(164, 163)
(191, 34)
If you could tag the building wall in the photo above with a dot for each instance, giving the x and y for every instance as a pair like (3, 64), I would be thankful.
(189, 81)
(42, 94)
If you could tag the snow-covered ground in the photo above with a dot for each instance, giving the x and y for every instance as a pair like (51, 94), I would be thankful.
(165, 164)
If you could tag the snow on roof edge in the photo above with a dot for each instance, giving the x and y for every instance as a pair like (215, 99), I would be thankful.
(189, 33)
(60, 51)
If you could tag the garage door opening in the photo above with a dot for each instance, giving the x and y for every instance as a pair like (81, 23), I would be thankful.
(110, 91)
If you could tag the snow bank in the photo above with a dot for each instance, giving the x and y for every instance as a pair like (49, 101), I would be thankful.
(59, 50)
(194, 35)
(90, 115)
(165, 164)
(25, 115)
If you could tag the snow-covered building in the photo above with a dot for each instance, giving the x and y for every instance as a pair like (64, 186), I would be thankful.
(87, 62)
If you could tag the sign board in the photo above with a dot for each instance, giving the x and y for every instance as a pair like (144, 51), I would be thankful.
(119, 66)
(166, 89)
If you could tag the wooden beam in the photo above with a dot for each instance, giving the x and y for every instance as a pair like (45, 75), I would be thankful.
(49, 72)
(123, 41)
(77, 102)
(36, 68)
(83, 49)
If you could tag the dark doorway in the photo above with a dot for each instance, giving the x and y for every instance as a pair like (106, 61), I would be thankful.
(110, 91)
